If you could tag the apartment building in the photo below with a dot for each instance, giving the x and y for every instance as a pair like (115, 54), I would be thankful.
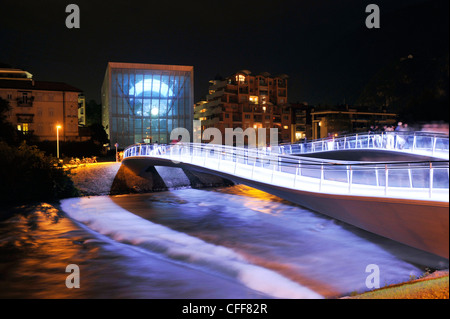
(38, 107)
(243, 100)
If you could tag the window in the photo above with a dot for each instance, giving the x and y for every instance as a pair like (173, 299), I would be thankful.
(51, 112)
(25, 127)
(9, 96)
(240, 78)
(24, 97)
(253, 99)
(227, 116)
(243, 98)
(247, 116)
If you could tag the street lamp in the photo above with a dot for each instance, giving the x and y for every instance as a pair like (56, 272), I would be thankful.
(57, 140)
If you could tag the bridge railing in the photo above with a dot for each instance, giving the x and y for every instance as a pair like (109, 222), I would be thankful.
(423, 143)
(417, 180)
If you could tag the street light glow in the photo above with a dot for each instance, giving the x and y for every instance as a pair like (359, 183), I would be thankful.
(57, 140)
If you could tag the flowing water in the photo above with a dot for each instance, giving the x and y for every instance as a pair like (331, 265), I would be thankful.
(234, 242)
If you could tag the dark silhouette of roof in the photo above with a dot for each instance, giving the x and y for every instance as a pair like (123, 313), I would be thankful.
(38, 85)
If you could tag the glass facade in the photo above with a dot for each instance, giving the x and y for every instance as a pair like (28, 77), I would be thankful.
(143, 103)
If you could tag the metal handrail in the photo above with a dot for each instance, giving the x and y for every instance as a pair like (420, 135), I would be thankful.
(410, 133)
(421, 180)
(422, 143)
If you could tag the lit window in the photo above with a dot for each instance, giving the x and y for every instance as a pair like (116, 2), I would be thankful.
(285, 127)
(263, 100)
(240, 78)
(25, 127)
(19, 127)
(253, 99)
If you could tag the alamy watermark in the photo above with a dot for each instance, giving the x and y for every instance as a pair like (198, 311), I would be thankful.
(73, 280)
(373, 279)
(373, 19)
(73, 19)
(252, 137)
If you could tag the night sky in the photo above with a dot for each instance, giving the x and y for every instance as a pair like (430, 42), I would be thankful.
(324, 46)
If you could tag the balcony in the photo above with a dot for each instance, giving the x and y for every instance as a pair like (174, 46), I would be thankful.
(218, 85)
(212, 104)
(281, 84)
(24, 118)
(214, 95)
(25, 101)
(231, 91)
(210, 122)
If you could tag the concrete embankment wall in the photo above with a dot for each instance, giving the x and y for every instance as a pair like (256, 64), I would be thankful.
(113, 179)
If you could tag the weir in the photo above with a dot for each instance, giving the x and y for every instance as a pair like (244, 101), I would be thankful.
(405, 201)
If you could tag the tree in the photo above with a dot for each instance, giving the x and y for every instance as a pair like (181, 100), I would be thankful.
(22, 167)
(416, 88)
(93, 113)
(7, 131)
(98, 134)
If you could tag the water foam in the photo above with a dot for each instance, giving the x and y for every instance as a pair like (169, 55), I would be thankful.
(102, 215)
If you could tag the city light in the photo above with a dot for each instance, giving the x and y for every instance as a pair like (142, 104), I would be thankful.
(58, 127)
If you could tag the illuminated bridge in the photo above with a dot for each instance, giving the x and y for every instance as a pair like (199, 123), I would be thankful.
(414, 143)
(404, 201)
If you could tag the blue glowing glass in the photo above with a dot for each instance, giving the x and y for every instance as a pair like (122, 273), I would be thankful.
(147, 85)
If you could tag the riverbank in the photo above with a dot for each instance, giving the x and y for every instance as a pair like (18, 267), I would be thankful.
(433, 286)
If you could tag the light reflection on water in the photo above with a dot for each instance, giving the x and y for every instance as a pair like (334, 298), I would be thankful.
(144, 260)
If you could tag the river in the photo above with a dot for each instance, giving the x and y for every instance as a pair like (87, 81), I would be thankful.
(232, 242)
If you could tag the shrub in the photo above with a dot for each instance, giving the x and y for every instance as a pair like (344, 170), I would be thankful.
(26, 175)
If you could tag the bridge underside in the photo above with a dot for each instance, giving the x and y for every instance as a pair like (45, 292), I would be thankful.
(418, 223)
